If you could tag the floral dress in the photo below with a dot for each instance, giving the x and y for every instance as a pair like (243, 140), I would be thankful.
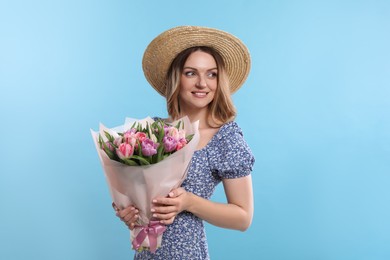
(227, 155)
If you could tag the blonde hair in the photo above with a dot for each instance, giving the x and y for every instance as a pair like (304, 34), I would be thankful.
(221, 109)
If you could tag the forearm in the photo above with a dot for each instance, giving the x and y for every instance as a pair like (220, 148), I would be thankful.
(235, 214)
(226, 215)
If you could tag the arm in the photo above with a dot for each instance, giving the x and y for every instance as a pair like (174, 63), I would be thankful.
(235, 214)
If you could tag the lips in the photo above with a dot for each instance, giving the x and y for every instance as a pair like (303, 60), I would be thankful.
(199, 94)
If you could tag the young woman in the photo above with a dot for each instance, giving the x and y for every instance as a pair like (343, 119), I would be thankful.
(197, 69)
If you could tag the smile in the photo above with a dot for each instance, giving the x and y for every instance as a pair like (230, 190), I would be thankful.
(199, 94)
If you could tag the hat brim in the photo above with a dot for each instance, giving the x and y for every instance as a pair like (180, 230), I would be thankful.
(165, 47)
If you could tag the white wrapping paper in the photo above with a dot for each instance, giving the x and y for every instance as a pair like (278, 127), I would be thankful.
(138, 185)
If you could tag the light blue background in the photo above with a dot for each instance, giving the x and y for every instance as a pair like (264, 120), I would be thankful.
(315, 111)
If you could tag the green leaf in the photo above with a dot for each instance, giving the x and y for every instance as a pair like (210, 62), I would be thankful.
(109, 153)
(129, 162)
(113, 145)
(139, 150)
(178, 124)
(189, 137)
(142, 160)
(109, 137)
(100, 141)
(153, 159)
(161, 134)
(147, 129)
(160, 151)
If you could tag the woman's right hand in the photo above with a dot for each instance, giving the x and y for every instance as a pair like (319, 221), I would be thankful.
(128, 215)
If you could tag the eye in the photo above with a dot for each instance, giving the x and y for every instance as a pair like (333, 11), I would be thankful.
(189, 73)
(212, 74)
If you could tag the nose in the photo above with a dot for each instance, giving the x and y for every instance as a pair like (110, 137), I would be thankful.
(201, 83)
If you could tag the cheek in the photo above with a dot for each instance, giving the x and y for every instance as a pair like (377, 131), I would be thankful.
(213, 85)
(185, 84)
(182, 94)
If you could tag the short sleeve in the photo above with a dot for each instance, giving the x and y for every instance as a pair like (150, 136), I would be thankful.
(230, 156)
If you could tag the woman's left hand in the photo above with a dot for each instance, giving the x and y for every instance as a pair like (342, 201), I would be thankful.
(166, 209)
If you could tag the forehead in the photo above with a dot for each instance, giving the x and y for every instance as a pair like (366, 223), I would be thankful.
(200, 59)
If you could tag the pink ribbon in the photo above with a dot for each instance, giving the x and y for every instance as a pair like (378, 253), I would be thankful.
(151, 231)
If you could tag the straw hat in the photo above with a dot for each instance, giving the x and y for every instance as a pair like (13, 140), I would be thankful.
(163, 49)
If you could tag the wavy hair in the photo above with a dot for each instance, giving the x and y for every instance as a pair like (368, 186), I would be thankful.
(221, 108)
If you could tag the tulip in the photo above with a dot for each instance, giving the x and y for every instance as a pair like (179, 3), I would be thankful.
(170, 143)
(182, 142)
(109, 146)
(149, 147)
(173, 132)
(141, 136)
(118, 141)
(130, 137)
(182, 134)
(125, 151)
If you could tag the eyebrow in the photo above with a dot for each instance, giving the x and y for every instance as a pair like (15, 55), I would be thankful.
(192, 68)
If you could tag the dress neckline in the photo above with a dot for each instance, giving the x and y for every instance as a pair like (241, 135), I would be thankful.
(214, 136)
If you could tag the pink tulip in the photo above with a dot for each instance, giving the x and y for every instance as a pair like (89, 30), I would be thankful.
(125, 151)
(118, 141)
(182, 142)
(130, 137)
(173, 132)
(109, 146)
(141, 136)
(170, 143)
(149, 147)
(182, 134)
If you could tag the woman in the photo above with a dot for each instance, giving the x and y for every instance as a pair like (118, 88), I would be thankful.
(197, 69)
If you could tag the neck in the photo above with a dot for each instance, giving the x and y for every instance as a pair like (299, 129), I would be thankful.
(202, 115)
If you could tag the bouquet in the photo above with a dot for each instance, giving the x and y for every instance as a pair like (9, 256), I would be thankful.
(142, 160)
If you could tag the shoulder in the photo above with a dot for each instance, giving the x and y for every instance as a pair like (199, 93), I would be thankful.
(230, 132)
(230, 154)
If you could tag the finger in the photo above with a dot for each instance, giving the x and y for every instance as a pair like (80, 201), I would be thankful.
(173, 194)
(176, 192)
(167, 221)
(115, 207)
(131, 215)
(164, 216)
(130, 225)
(131, 222)
(164, 209)
(126, 211)
(164, 201)
(134, 219)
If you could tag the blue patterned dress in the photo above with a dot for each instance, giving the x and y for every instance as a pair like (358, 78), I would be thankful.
(227, 155)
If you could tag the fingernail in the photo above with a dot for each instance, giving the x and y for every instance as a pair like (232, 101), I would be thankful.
(154, 215)
(170, 194)
(154, 201)
(153, 210)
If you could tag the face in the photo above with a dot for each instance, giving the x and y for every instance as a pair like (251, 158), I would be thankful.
(198, 82)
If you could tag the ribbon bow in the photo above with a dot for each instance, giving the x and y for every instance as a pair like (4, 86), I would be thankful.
(152, 230)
